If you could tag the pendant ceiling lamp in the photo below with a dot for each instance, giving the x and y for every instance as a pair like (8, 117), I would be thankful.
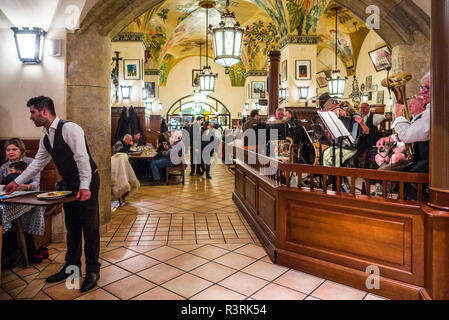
(207, 78)
(228, 38)
(336, 82)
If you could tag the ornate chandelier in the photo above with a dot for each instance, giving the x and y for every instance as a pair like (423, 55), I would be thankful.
(228, 38)
(336, 82)
(207, 78)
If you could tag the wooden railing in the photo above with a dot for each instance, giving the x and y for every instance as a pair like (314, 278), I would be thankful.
(323, 178)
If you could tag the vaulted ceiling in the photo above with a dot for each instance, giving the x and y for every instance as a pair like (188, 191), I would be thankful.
(175, 30)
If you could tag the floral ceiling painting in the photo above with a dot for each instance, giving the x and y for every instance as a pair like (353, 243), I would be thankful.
(175, 30)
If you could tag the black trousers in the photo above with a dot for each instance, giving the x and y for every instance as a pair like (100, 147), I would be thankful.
(82, 218)
(195, 161)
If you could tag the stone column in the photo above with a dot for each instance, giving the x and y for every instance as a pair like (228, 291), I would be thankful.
(88, 103)
(413, 59)
(437, 211)
(274, 58)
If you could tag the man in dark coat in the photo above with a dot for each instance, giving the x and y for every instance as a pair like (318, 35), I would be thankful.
(195, 132)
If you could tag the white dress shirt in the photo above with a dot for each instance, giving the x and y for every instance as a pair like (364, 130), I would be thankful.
(414, 131)
(73, 135)
(377, 118)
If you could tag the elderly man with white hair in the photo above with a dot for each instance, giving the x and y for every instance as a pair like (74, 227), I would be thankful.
(123, 145)
(171, 156)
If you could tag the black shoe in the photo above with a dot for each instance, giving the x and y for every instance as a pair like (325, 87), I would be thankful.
(90, 281)
(61, 275)
(192, 173)
(208, 177)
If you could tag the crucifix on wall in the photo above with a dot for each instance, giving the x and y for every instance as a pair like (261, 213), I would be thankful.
(114, 73)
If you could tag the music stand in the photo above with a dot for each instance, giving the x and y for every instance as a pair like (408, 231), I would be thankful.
(338, 132)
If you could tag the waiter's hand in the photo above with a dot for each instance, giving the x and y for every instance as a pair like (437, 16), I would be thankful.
(83, 195)
(10, 188)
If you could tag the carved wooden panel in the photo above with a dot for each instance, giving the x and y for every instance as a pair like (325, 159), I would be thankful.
(239, 182)
(267, 210)
(250, 193)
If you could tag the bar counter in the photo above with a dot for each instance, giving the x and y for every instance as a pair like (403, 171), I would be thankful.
(345, 237)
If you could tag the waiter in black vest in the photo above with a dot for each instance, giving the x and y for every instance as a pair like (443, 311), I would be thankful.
(64, 142)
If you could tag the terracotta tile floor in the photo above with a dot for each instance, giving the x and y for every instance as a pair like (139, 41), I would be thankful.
(179, 242)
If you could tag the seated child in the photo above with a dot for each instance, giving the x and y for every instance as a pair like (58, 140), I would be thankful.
(15, 170)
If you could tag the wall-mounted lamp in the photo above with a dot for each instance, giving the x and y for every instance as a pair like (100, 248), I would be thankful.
(303, 93)
(144, 94)
(365, 98)
(148, 105)
(29, 44)
(159, 107)
(246, 106)
(126, 92)
(283, 93)
(258, 106)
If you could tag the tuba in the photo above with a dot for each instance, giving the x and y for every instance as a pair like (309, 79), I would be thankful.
(397, 83)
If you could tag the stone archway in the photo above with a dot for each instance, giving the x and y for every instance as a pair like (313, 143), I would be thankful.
(89, 54)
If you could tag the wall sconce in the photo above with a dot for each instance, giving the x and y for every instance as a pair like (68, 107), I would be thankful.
(159, 108)
(258, 107)
(246, 106)
(29, 44)
(144, 94)
(365, 98)
(283, 93)
(303, 93)
(126, 92)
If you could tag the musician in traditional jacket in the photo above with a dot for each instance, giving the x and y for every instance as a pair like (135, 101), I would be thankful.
(356, 127)
(417, 132)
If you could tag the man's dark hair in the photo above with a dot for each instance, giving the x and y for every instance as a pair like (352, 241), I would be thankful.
(323, 99)
(18, 166)
(199, 118)
(41, 103)
(254, 113)
(291, 112)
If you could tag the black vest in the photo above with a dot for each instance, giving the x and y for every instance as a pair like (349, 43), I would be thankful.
(62, 156)
(372, 137)
(421, 149)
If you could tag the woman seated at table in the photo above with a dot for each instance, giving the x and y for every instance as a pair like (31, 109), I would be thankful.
(33, 223)
(170, 157)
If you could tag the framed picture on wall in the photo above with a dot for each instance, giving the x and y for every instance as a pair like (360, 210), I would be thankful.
(258, 87)
(369, 83)
(303, 69)
(381, 58)
(380, 97)
(196, 77)
(321, 79)
(131, 68)
(248, 91)
(151, 89)
(284, 71)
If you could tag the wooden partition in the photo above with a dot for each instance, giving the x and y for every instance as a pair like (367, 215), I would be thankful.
(341, 236)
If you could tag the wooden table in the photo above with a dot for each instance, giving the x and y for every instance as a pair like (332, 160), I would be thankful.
(143, 156)
(29, 199)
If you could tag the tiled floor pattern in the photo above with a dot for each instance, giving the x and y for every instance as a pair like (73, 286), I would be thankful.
(175, 242)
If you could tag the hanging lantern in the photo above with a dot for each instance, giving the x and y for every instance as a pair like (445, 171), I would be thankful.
(228, 38)
(207, 81)
(336, 82)
(29, 44)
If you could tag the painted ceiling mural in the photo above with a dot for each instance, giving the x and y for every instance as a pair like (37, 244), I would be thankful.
(175, 30)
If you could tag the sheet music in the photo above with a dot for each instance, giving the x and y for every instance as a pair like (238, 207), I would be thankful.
(335, 126)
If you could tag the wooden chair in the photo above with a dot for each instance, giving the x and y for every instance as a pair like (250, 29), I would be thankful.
(177, 171)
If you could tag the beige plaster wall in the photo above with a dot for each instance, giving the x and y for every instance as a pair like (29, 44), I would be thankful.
(291, 53)
(366, 68)
(179, 84)
(20, 82)
(129, 50)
